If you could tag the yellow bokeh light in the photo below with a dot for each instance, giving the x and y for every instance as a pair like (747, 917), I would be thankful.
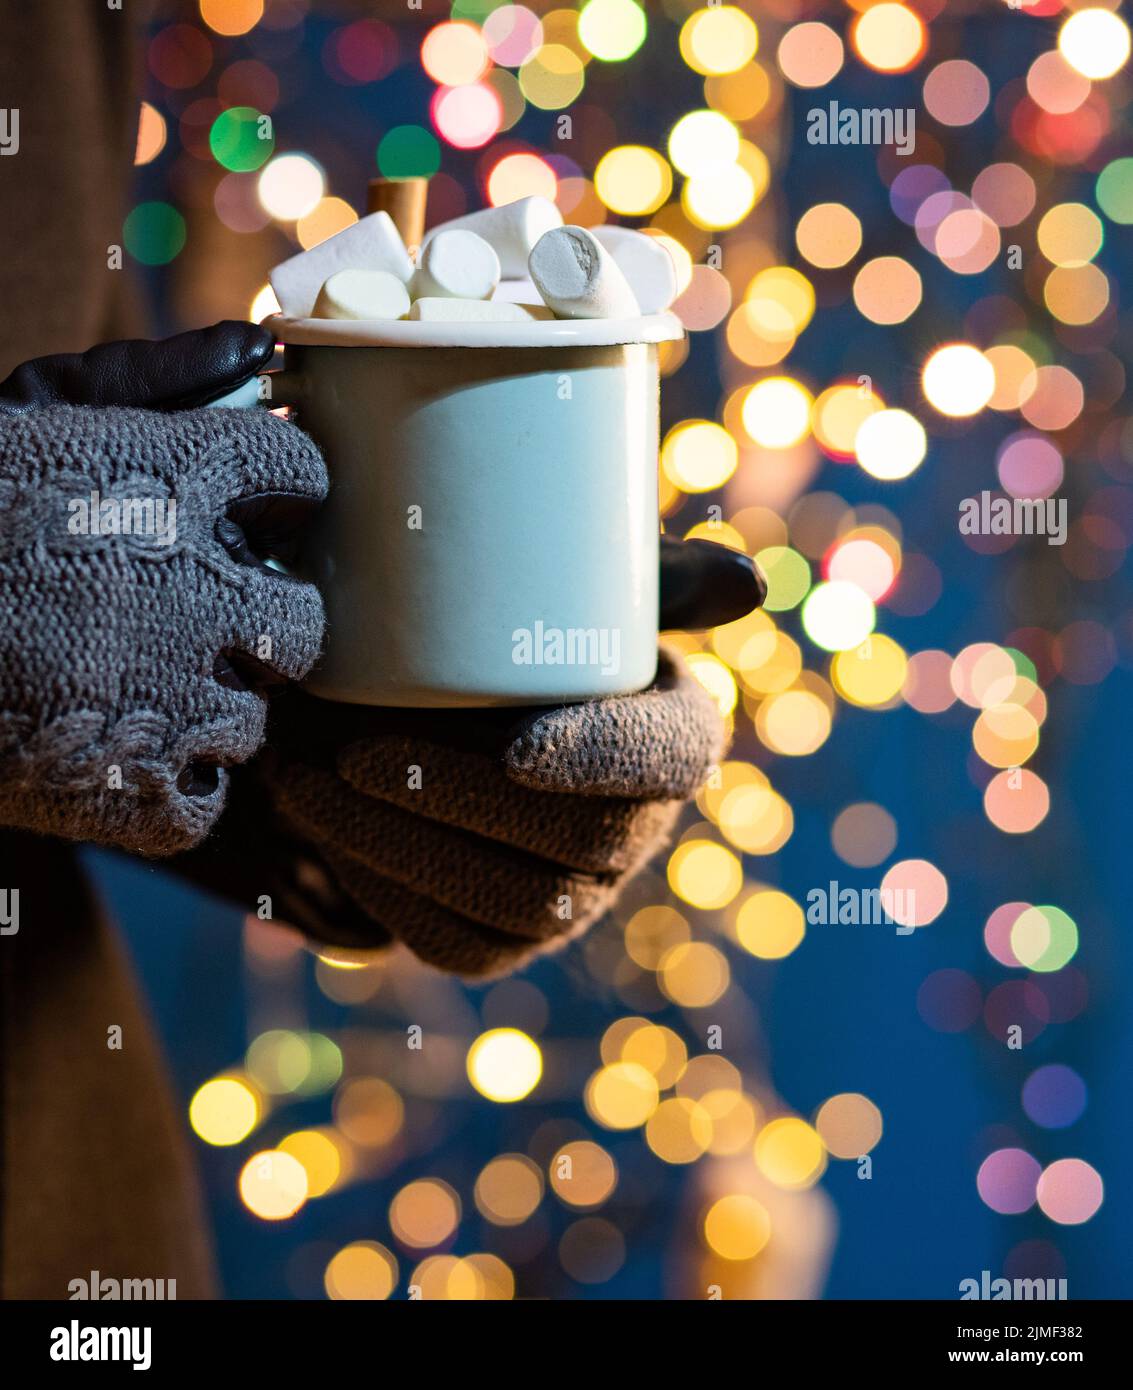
(1005, 735)
(789, 1153)
(770, 924)
(705, 874)
(326, 219)
(362, 1270)
(1014, 370)
(1070, 235)
(290, 186)
(958, 380)
(320, 1155)
(718, 40)
(552, 77)
(659, 1050)
(741, 94)
(1095, 43)
(747, 641)
(231, 17)
(829, 235)
(273, 1185)
(505, 1064)
(887, 289)
(715, 677)
(612, 30)
(679, 1130)
(756, 819)
(891, 444)
(622, 1095)
(583, 1175)
(369, 1111)
(1075, 295)
(651, 931)
(694, 975)
(838, 615)
(224, 1110)
(735, 1118)
(776, 412)
(455, 53)
(704, 142)
(890, 37)
(839, 412)
(424, 1213)
(781, 301)
(811, 54)
(699, 455)
(794, 723)
(774, 671)
(521, 176)
(737, 1227)
(849, 1125)
(152, 133)
(508, 1190)
(872, 674)
(720, 199)
(633, 180)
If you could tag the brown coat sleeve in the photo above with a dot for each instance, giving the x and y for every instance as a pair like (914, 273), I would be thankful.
(71, 71)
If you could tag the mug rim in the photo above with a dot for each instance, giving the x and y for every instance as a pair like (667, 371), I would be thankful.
(536, 333)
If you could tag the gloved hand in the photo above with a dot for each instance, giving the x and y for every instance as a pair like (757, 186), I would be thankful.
(477, 838)
(132, 664)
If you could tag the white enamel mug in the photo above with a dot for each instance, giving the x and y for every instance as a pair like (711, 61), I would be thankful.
(491, 533)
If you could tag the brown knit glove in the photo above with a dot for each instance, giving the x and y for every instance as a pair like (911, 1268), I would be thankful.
(480, 841)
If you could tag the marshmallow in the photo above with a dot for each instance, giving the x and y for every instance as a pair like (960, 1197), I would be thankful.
(645, 263)
(511, 230)
(475, 311)
(516, 292)
(579, 278)
(456, 264)
(362, 294)
(371, 244)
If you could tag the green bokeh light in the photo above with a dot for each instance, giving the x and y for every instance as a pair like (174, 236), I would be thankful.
(409, 151)
(1044, 938)
(241, 139)
(1023, 664)
(787, 574)
(475, 10)
(1114, 190)
(154, 233)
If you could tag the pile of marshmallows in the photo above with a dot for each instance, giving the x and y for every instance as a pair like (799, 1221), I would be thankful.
(481, 268)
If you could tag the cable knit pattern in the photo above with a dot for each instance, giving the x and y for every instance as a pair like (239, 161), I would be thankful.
(108, 642)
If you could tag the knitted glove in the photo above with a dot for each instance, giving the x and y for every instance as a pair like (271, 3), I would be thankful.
(480, 841)
(131, 662)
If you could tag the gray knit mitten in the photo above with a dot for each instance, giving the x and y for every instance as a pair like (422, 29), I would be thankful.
(138, 621)
(480, 841)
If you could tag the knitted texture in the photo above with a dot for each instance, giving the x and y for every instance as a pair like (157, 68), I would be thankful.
(109, 641)
(482, 847)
